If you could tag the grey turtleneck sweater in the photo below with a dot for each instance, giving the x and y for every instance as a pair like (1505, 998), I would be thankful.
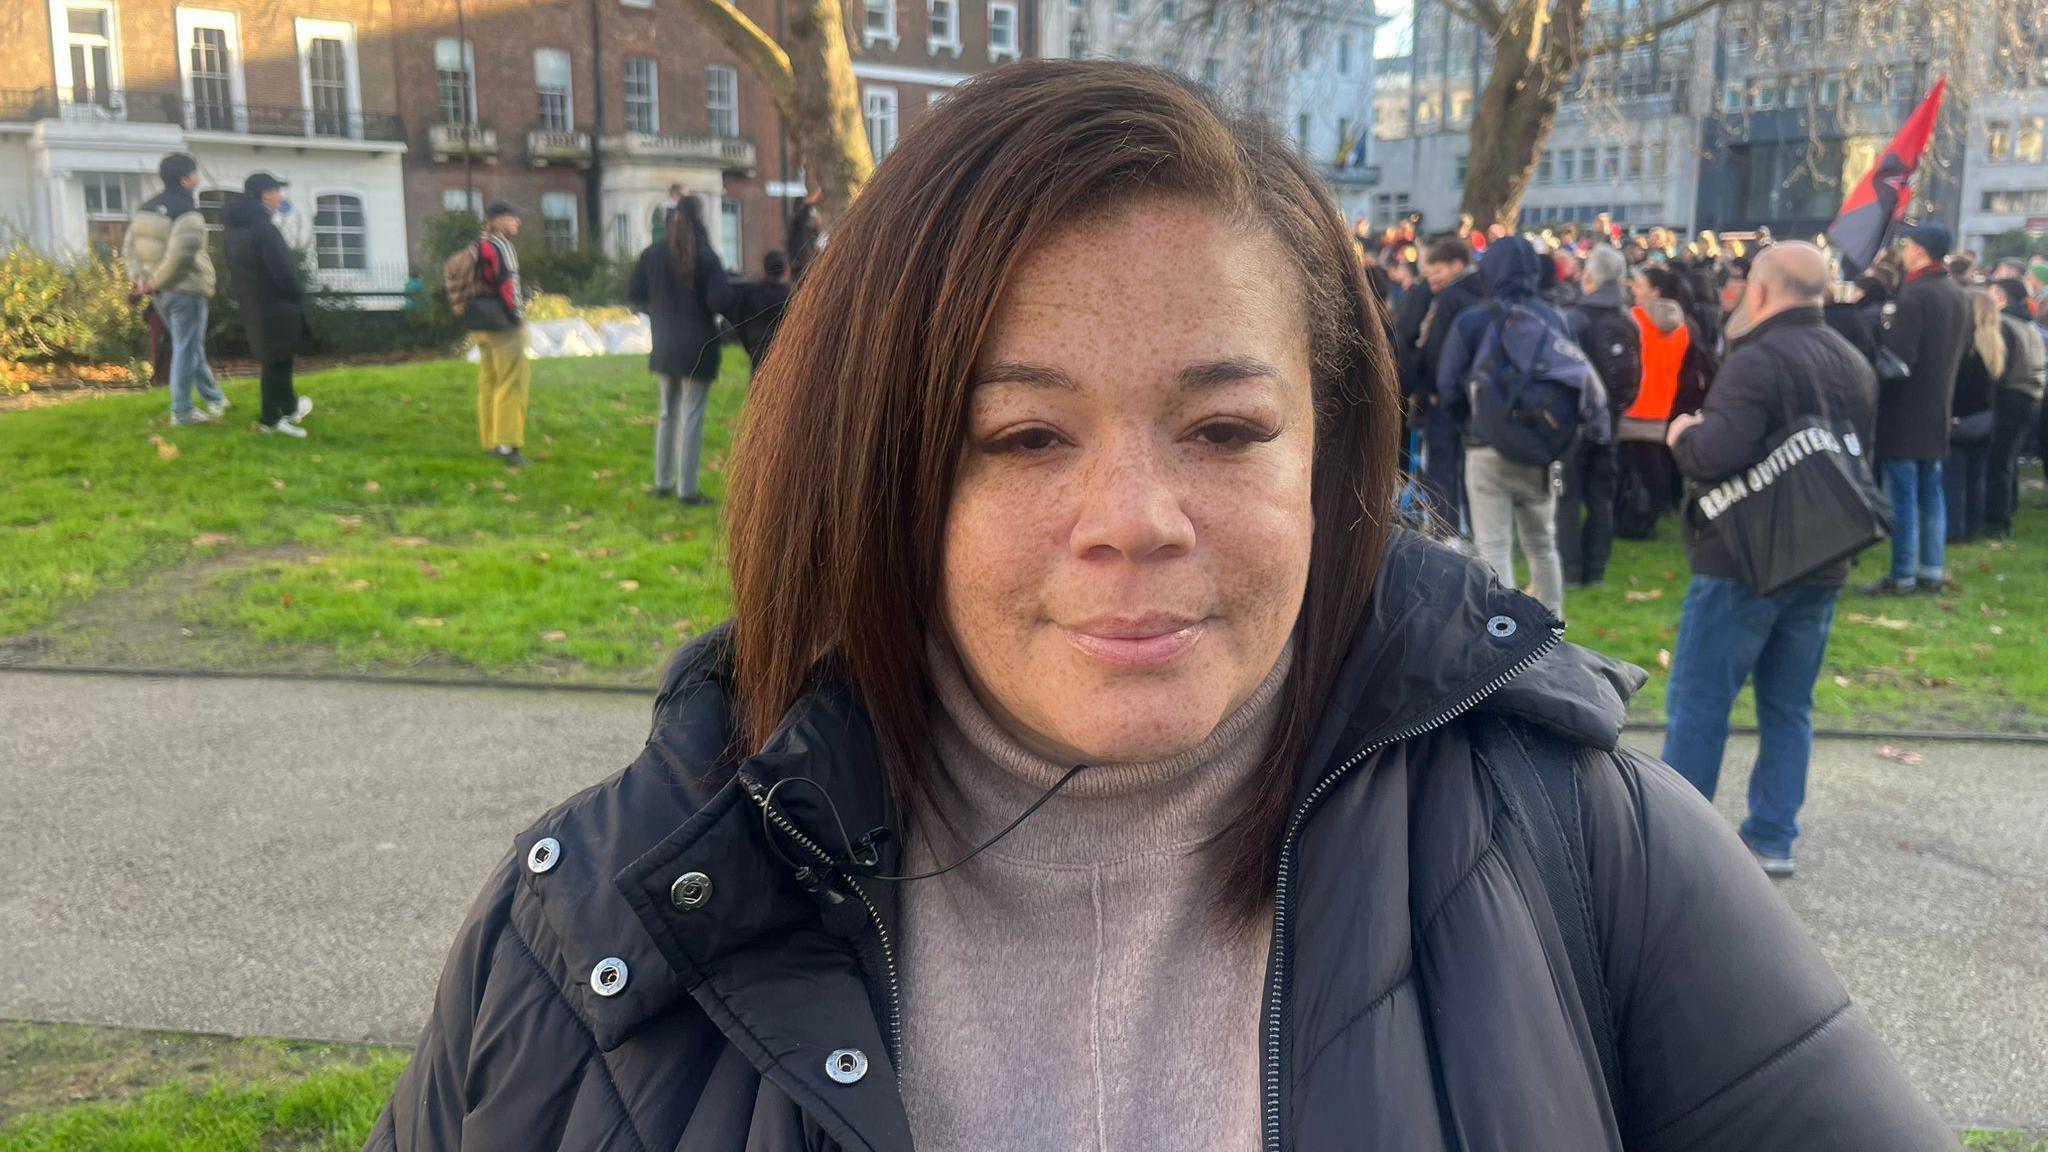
(1073, 987)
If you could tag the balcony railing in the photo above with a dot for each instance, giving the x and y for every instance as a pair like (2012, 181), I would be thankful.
(455, 140)
(729, 153)
(136, 107)
(554, 146)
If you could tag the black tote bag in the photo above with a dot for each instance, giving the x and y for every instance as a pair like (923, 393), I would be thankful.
(1807, 504)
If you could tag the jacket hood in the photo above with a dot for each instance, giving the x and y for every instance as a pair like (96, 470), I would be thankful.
(171, 202)
(1665, 315)
(1509, 269)
(1605, 296)
(244, 211)
(2017, 303)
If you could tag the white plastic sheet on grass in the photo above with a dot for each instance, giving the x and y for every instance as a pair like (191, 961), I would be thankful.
(551, 339)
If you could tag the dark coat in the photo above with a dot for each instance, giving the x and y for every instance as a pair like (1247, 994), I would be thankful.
(1928, 325)
(1458, 297)
(1409, 312)
(1419, 997)
(1791, 362)
(680, 313)
(1857, 324)
(756, 313)
(264, 280)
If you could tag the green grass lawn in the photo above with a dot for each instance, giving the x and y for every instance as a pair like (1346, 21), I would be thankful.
(68, 1088)
(388, 543)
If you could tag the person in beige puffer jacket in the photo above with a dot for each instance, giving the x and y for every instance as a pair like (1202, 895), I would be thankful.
(166, 256)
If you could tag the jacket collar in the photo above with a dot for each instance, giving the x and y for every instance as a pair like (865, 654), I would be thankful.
(1789, 318)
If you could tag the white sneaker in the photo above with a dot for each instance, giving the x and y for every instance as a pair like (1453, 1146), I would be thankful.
(305, 410)
(195, 416)
(219, 408)
(284, 427)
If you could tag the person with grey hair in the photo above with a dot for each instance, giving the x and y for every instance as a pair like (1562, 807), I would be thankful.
(1607, 332)
(1788, 365)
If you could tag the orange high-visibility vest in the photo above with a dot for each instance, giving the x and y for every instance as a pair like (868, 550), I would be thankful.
(1663, 356)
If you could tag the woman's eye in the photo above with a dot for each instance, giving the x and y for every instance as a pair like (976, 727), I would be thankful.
(1025, 440)
(1230, 434)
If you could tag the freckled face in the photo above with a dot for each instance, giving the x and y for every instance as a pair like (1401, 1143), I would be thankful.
(1128, 540)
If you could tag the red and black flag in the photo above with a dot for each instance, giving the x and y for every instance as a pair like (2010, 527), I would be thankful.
(1880, 200)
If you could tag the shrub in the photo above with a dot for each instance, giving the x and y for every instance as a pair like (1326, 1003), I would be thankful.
(56, 311)
(585, 275)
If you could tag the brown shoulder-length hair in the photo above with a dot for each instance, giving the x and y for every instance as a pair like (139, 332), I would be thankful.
(844, 467)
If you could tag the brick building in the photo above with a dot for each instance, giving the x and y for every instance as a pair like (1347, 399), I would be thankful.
(94, 92)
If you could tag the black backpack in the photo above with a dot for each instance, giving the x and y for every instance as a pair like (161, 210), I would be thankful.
(1529, 385)
(1614, 344)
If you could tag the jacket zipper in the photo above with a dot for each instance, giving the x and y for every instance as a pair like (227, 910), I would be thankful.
(1276, 979)
(894, 986)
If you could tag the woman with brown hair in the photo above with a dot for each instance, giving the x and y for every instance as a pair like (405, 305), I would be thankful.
(1088, 764)
(679, 282)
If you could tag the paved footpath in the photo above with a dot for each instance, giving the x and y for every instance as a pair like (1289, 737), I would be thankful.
(290, 858)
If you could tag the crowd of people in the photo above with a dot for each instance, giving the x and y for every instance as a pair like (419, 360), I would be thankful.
(1571, 388)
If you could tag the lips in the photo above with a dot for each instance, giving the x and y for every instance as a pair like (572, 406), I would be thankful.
(1148, 641)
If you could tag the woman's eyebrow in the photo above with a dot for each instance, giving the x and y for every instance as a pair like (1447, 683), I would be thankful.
(1195, 377)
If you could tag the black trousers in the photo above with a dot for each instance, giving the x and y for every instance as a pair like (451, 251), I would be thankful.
(1443, 482)
(2015, 411)
(1585, 514)
(280, 399)
(1963, 484)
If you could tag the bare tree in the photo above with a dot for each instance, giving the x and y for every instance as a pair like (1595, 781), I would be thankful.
(809, 74)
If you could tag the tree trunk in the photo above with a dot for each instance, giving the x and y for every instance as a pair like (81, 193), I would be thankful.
(810, 78)
(1533, 57)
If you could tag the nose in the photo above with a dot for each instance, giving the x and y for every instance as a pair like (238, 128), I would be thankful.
(1130, 506)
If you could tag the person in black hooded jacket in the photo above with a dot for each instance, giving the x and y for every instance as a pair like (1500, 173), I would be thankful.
(1090, 525)
(264, 279)
(2017, 407)
(680, 283)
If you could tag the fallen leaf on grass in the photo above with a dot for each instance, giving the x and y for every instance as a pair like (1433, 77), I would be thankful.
(668, 537)
(276, 483)
(429, 571)
(573, 526)
(165, 450)
(1664, 659)
(356, 586)
(427, 621)
(285, 600)
(1640, 597)
(1842, 681)
(210, 539)
(510, 497)
(541, 557)
(629, 585)
(347, 521)
(372, 486)
(554, 635)
(410, 541)
(1997, 631)
(601, 474)
(1879, 621)
(498, 484)
(1937, 682)
(1898, 755)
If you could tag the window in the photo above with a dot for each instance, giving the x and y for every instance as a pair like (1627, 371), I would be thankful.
(462, 200)
(1997, 141)
(85, 73)
(1463, 164)
(1633, 164)
(2026, 140)
(1301, 131)
(1902, 87)
(1169, 11)
(109, 199)
(558, 213)
(208, 79)
(1002, 32)
(340, 242)
(1660, 160)
(1586, 163)
(1343, 53)
(881, 111)
(622, 235)
(722, 98)
(1794, 93)
(1123, 9)
(327, 86)
(211, 202)
(1732, 99)
(1343, 138)
(729, 234)
(455, 80)
(944, 23)
(1543, 167)
(1830, 94)
(1077, 41)
(1212, 72)
(1425, 114)
(1122, 52)
(551, 80)
(1251, 20)
(1461, 107)
(880, 24)
(642, 94)
(1764, 97)
(2017, 200)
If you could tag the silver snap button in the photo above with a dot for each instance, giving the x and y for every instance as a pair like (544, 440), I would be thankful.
(691, 891)
(542, 856)
(609, 977)
(846, 1066)
(1501, 627)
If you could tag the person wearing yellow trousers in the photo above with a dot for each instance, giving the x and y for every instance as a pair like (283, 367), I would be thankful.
(498, 329)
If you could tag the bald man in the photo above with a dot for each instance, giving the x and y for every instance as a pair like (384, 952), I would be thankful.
(1788, 364)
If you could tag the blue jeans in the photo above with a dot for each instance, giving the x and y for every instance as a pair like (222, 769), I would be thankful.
(1727, 634)
(1919, 520)
(184, 313)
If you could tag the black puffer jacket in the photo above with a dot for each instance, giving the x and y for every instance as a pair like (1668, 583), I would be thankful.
(1928, 325)
(1419, 997)
(680, 311)
(263, 277)
(1792, 365)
